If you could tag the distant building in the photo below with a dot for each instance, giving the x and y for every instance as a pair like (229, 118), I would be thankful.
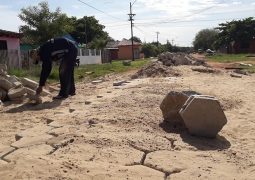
(236, 47)
(122, 50)
(252, 46)
(10, 48)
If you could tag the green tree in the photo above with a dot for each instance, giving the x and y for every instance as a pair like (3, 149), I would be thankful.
(205, 39)
(240, 31)
(88, 29)
(149, 50)
(136, 39)
(168, 46)
(99, 43)
(42, 24)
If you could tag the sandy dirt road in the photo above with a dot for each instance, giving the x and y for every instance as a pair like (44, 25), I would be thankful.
(121, 134)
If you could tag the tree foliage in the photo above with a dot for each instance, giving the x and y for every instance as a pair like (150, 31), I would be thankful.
(87, 30)
(154, 49)
(241, 31)
(149, 50)
(205, 39)
(99, 43)
(42, 24)
(168, 46)
(136, 39)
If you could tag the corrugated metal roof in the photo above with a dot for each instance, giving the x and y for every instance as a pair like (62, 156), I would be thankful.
(116, 44)
(10, 34)
(126, 42)
(112, 44)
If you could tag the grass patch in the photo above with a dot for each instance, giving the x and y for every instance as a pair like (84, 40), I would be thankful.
(103, 69)
(97, 70)
(229, 58)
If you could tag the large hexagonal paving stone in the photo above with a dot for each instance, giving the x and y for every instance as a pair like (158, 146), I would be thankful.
(203, 116)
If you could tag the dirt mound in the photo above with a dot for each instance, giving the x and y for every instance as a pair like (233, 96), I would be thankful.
(156, 69)
(176, 59)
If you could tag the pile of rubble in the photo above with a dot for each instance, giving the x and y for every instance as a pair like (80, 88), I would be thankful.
(15, 89)
(155, 69)
(176, 59)
(202, 115)
(161, 68)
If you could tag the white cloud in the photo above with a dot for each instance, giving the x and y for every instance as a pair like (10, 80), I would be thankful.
(237, 3)
(75, 6)
(181, 7)
(10, 22)
(3, 6)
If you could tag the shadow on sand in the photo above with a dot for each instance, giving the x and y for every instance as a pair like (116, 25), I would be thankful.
(35, 107)
(201, 143)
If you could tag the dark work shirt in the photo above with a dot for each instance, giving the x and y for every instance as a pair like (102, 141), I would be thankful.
(48, 51)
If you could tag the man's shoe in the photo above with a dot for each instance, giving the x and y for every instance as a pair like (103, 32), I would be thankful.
(58, 97)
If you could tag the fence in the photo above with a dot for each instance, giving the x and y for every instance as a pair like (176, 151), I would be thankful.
(20, 59)
(11, 58)
(89, 56)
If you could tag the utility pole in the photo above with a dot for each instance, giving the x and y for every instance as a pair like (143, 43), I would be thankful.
(86, 38)
(131, 15)
(157, 37)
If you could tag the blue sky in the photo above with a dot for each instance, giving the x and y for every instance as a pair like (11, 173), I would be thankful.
(176, 20)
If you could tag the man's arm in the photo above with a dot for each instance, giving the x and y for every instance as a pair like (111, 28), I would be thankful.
(46, 69)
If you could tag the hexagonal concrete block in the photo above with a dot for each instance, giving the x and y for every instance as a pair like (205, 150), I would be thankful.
(203, 116)
(15, 93)
(171, 105)
(5, 84)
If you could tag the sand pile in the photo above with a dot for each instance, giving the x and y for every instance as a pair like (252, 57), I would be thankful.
(15, 89)
(155, 69)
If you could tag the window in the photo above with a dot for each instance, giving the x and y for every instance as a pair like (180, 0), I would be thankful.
(3, 45)
(85, 52)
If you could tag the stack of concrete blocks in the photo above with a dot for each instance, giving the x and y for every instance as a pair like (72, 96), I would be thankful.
(10, 87)
(15, 89)
(201, 115)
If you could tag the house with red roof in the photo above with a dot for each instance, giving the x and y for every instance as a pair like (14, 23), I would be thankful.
(123, 50)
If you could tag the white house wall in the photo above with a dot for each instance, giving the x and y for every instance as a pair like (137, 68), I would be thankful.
(88, 56)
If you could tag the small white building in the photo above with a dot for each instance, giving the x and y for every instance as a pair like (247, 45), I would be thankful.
(89, 56)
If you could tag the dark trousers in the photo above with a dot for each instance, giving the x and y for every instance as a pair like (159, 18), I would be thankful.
(66, 73)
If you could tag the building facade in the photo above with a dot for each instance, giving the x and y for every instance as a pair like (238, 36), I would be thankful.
(10, 48)
(122, 50)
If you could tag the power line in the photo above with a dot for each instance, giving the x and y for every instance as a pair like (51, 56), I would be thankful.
(174, 22)
(117, 25)
(142, 31)
(99, 10)
(133, 3)
(214, 13)
(181, 17)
